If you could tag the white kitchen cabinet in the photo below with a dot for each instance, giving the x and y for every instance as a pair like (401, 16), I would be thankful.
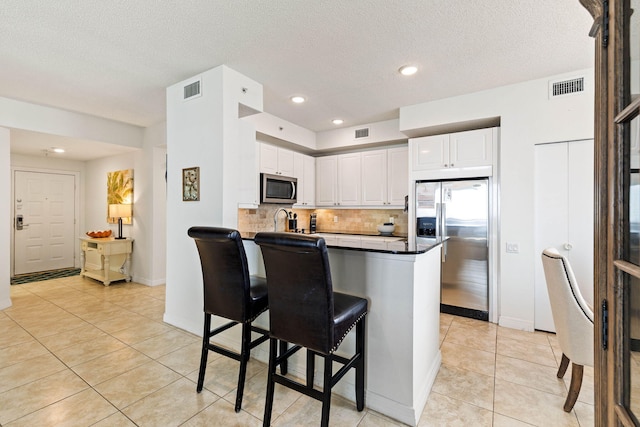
(456, 150)
(374, 177)
(349, 179)
(397, 175)
(338, 180)
(326, 180)
(275, 160)
(385, 177)
(309, 181)
(304, 169)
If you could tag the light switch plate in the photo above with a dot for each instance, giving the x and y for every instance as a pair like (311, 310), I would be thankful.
(513, 248)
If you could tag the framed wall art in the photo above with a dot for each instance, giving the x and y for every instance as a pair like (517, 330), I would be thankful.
(191, 184)
(119, 192)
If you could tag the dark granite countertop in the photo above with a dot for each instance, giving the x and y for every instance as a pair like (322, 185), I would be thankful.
(421, 246)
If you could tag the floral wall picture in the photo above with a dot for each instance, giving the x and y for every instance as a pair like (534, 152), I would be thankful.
(191, 184)
(119, 192)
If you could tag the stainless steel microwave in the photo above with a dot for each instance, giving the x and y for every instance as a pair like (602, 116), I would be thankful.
(278, 189)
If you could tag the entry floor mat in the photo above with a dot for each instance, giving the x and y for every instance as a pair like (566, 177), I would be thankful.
(44, 275)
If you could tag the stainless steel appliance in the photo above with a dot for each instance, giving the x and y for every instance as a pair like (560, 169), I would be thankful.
(459, 211)
(278, 189)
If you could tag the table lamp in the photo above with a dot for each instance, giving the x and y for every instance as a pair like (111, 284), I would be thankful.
(120, 211)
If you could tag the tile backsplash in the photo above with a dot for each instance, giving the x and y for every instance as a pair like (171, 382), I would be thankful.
(354, 221)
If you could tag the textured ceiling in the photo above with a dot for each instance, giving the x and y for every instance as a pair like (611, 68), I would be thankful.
(114, 59)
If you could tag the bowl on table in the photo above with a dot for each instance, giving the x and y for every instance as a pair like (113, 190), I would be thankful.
(99, 233)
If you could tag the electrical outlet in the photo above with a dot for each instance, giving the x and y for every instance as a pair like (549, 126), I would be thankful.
(392, 220)
(335, 218)
(513, 248)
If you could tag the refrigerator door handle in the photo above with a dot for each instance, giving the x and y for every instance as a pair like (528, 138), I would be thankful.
(443, 227)
(438, 220)
(443, 220)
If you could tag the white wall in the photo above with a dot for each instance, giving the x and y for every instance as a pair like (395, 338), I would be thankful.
(147, 259)
(22, 115)
(5, 218)
(204, 132)
(379, 132)
(527, 117)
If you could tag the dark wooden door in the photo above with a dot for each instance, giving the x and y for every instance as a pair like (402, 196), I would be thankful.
(617, 213)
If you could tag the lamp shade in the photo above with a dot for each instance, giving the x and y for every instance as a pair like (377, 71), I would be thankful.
(120, 211)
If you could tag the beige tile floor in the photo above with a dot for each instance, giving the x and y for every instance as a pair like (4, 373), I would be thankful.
(76, 353)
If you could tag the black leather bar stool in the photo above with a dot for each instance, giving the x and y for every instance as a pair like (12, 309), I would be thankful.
(229, 292)
(304, 311)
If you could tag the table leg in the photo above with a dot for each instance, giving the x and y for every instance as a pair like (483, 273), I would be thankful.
(82, 261)
(107, 269)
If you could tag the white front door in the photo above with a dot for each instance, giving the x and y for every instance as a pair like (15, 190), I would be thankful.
(44, 204)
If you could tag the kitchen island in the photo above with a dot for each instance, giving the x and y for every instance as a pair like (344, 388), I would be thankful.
(403, 355)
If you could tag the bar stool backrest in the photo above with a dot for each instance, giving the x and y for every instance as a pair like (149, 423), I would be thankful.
(225, 273)
(300, 289)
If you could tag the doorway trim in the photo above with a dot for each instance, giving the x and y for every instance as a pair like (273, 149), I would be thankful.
(76, 213)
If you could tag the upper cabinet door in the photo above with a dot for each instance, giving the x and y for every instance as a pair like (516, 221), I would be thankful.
(397, 175)
(326, 176)
(349, 179)
(472, 148)
(430, 152)
(285, 162)
(309, 181)
(268, 159)
(276, 161)
(374, 177)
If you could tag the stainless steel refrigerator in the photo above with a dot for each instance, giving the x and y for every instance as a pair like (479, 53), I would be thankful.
(459, 211)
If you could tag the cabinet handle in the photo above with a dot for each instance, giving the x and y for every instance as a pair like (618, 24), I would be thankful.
(446, 165)
(451, 164)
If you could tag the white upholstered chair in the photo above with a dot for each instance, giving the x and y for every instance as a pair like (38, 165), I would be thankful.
(573, 320)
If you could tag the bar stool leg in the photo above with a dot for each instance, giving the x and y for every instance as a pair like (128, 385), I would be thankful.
(205, 351)
(360, 349)
(268, 404)
(326, 390)
(311, 367)
(284, 365)
(245, 351)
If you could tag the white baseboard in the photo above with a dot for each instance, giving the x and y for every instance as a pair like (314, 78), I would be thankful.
(514, 323)
(148, 282)
(5, 303)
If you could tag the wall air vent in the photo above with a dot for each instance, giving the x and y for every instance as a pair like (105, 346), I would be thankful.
(362, 133)
(192, 90)
(566, 87)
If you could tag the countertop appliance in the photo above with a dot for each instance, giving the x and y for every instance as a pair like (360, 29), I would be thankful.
(312, 223)
(278, 189)
(458, 210)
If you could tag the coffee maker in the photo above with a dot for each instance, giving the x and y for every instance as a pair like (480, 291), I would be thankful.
(312, 223)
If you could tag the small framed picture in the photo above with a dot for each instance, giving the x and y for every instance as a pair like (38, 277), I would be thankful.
(191, 184)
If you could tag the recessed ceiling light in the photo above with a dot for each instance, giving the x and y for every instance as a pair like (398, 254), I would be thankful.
(337, 121)
(57, 150)
(298, 99)
(408, 70)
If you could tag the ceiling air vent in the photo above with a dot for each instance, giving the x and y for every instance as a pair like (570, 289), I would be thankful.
(192, 90)
(362, 133)
(566, 87)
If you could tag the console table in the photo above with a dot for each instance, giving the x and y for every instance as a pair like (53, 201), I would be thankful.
(106, 259)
